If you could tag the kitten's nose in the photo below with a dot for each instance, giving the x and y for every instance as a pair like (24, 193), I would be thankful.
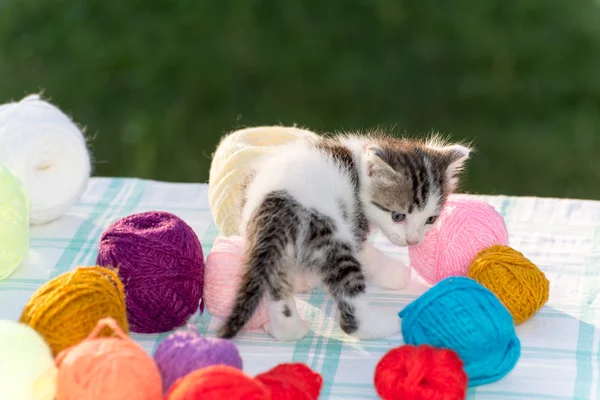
(412, 242)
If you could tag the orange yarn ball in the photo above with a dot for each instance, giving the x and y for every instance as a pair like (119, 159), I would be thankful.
(114, 368)
(294, 381)
(218, 382)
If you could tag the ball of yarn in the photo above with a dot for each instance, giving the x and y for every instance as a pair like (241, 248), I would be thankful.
(160, 261)
(67, 308)
(222, 277)
(186, 351)
(218, 382)
(235, 158)
(465, 227)
(519, 284)
(293, 381)
(460, 314)
(14, 223)
(27, 370)
(48, 152)
(420, 373)
(114, 368)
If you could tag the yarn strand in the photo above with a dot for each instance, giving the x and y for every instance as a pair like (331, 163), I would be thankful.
(110, 323)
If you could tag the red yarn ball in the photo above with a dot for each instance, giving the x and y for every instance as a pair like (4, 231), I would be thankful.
(421, 373)
(293, 381)
(218, 382)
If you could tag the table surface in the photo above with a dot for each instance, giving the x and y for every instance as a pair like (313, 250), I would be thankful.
(560, 356)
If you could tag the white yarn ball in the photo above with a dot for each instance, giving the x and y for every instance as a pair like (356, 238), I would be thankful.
(27, 370)
(48, 153)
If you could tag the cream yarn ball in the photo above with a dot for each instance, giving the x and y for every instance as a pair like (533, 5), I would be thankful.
(27, 370)
(48, 153)
(14, 223)
(235, 158)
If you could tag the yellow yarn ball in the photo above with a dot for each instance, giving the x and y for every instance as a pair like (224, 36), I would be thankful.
(234, 160)
(67, 308)
(14, 223)
(519, 284)
(27, 370)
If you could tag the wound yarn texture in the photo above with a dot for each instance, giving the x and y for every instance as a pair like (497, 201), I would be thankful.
(223, 276)
(234, 160)
(218, 382)
(14, 223)
(160, 261)
(185, 351)
(27, 370)
(465, 227)
(519, 284)
(460, 314)
(292, 381)
(115, 368)
(49, 154)
(421, 373)
(67, 308)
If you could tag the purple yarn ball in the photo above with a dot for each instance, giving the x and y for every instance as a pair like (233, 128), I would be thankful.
(186, 351)
(160, 262)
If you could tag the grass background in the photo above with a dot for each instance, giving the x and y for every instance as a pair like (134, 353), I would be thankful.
(157, 82)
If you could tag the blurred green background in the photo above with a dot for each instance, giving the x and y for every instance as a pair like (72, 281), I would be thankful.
(157, 82)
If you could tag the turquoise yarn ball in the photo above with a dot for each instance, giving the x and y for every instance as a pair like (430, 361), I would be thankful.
(460, 314)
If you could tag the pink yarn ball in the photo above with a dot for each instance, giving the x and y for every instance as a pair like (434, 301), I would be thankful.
(465, 227)
(222, 277)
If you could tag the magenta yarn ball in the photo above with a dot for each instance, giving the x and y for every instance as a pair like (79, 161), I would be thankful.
(465, 227)
(161, 264)
(185, 351)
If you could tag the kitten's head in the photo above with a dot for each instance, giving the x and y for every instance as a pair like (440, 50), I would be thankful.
(408, 182)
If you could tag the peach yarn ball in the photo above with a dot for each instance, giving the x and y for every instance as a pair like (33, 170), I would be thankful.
(114, 368)
(465, 227)
(236, 156)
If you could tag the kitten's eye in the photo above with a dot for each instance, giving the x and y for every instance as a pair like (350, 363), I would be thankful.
(431, 220)
(397, 217)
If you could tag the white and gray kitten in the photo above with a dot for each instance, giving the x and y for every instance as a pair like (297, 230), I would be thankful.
(308, 210)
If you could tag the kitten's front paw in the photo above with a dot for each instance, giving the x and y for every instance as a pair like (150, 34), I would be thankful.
(391, 274)
(395, 277)
(288, 332)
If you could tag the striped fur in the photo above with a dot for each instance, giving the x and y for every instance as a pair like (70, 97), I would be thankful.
(309, 208)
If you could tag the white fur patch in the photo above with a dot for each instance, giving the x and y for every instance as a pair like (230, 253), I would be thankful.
(314, 180)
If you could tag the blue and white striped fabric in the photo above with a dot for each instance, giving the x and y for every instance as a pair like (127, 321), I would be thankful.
(560, 346)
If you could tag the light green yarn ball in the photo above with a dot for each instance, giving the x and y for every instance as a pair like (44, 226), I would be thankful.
(27, 370)
(14, 223)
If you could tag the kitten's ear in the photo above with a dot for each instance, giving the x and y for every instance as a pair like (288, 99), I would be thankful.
(454, 158)
(377, 164)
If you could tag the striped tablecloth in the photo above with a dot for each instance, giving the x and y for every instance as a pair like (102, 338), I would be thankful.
(560, 346)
